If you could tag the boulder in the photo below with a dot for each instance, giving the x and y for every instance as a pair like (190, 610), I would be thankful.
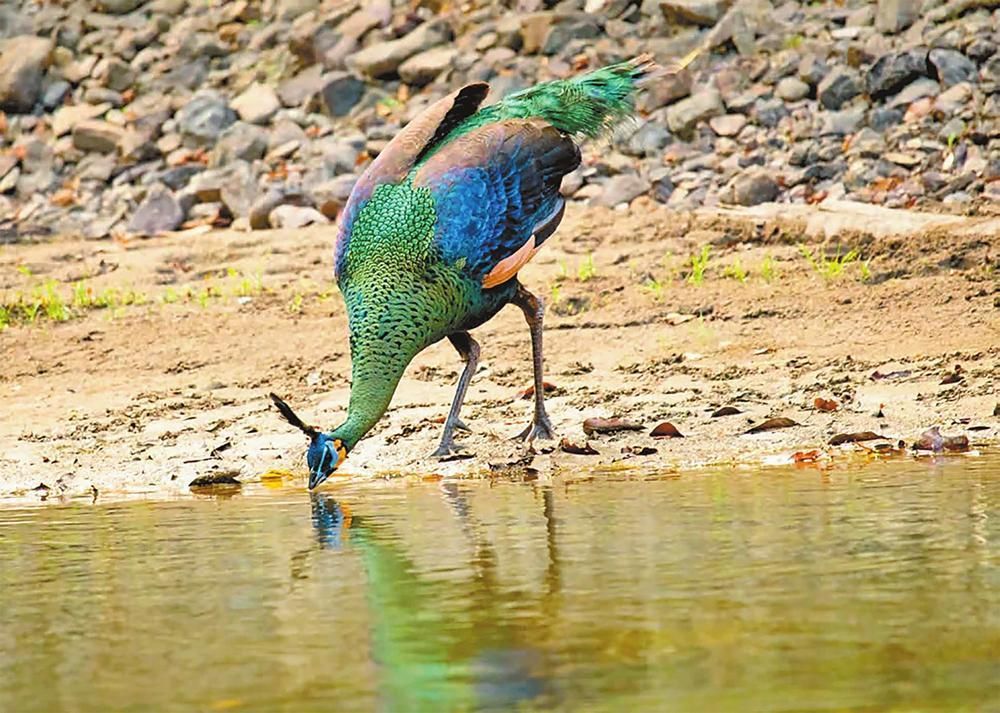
(893, 71)
(97, 135)
(257, 104)
(424, 67)
(896, 15)
(952, 67)
(205, 117)
(340, 92)
(698, 12)
(384, 58)
(159, 212)
(23, 61)
(838, 87)
(683, 116)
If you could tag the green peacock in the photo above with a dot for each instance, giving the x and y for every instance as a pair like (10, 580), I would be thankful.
(435, 231)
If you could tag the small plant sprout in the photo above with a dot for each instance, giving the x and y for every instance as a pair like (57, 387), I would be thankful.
(587, 270)
(699, 263)
(829, 268)
(554, 293)
(736, 271)
(655, 288)
(768, 269)
(865, 270)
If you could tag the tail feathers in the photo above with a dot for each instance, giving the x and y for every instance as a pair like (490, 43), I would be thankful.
(590, 105)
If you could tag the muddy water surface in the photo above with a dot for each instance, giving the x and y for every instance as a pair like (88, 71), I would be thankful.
(778, 590)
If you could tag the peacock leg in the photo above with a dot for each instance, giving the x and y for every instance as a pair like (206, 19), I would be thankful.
(534, 310)
(469, 349)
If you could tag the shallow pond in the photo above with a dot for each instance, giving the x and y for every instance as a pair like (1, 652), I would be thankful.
(777, 590)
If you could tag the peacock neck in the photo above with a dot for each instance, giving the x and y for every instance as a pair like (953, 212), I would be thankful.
(377, 369)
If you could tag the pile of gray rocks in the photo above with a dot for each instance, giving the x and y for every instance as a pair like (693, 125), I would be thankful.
(133, 117)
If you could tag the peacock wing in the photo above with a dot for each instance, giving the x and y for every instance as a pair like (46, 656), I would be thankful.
(400, 155)
(496, 195)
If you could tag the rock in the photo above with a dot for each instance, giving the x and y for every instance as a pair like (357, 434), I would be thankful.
(896, 15)
(662, 184)
(812, 70)
(239, 142)
(754, 189)
(302, 87)
(159, 212)
(838, 87)
(260, 211)
(648, 140)
(331, 196)
(117, 75)
(841, 123)
(340, 93)
(728, 124)
(895, 70)
(699, 12)
(563, 33)
(293, 216)
(55, 94)
(239, 189)
(23, 61)
(66, 117)
(683, 116)
(769, 112)
(118, 7)
(426, 66)
(384, 58)
(952, 67)
(881, 118)
(917, 89)
(257, 104)
(205, 117)
(953, 99)
(622, 188)
(97, 135)
(792, 89)
(665, 90)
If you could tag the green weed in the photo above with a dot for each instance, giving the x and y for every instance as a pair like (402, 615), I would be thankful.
(736, 271)
(655, 288)
(699, 263)
(826, 267)
(768, 269)
(587, 271)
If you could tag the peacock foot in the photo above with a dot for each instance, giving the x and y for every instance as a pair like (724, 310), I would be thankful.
(450, 450)
(541, 429)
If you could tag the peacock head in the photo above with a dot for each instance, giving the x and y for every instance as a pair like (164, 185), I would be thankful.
(326, 452)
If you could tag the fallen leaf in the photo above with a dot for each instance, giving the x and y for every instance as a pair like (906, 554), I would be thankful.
(609, 425)
(639, 450)
(842, 438)
(878, 376)
(806, 456)
(666, 430)
(953, 377)
(530, 391)
(566, 446)
(933, 440)
(773, 423)
(437, 419)
(726, 411)
(207, 481)
(979, 428)
(880, 414)
(827, 405)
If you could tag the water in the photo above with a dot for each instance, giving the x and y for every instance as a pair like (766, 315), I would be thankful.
(873, 589)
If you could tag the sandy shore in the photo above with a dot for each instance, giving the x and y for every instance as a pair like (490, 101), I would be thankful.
(149, 396)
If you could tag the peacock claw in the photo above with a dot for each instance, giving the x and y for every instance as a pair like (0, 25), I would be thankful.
(541, 429)
(449, 449)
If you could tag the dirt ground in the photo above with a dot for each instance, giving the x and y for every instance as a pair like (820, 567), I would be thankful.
(147, 397)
